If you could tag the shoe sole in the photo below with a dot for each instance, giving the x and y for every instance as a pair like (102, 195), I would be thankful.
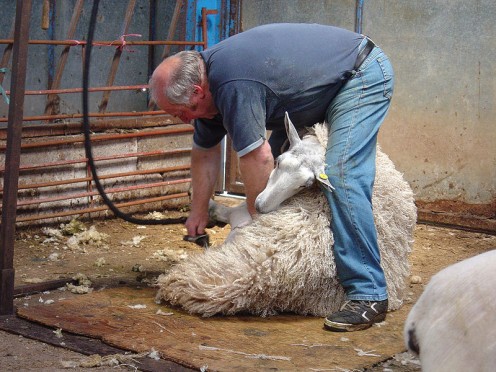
(344, 327)
(347, 327)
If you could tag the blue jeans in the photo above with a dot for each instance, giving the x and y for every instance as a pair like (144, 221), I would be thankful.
(354, 118)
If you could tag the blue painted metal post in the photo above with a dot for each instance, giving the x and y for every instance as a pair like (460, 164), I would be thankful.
(231, 18)
(194, 21)
(51, 48)
(359, 16)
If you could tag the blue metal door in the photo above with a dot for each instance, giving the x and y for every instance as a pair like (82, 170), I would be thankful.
(194, 20)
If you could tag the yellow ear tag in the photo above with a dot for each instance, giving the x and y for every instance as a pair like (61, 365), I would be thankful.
(323, 176)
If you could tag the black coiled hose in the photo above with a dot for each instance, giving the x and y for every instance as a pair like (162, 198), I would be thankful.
(87, 136)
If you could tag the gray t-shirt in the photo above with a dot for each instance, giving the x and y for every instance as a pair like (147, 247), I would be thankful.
(257, 75)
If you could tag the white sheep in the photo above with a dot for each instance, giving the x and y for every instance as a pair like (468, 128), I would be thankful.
(452, 327)
(283, 260)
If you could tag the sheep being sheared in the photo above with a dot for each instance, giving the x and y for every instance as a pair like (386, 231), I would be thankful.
(452, 327)
(283, 261)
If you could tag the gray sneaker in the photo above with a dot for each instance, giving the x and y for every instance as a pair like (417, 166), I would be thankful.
(356, 315)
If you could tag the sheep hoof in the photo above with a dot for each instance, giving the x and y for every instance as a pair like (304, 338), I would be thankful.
(202, 240)
(212, 223)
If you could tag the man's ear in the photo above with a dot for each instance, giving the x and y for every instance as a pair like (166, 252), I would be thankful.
(198, 90)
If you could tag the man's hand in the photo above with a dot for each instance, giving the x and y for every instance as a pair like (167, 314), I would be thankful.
(196, 223)
(205, 166)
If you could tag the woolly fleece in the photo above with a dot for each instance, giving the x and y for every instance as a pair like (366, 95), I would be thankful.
(283, 261)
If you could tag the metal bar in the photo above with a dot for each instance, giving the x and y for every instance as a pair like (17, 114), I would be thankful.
(231, 18)
(204, 27)
(93, 115)
(103, 137)
(12, 156)
(102, 158)
(50, 107)
(79, 90)
(33, 131)
(108, 191)
(152, 10)
(117, 56)
(51, 36)
(103, 208)
(204, 13)
(45, 18)
(152, 20)
(104, 177)
(109, 43)
(89, 185)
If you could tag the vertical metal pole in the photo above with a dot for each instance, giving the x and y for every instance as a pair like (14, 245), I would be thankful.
(128, 17)
(358, 16)
(204, 27)
(51, 48)
(172, 27)
(12, 156)
(52, 105)
(152, 20)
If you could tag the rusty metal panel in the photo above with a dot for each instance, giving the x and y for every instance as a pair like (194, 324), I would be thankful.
(143, 155)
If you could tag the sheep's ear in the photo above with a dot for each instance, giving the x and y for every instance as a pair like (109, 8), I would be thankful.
(293, 136)
(323, 180)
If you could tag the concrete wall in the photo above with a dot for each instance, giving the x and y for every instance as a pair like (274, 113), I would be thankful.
(441, 130)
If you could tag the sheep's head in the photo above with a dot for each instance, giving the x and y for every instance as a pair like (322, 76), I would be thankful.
(295, 170)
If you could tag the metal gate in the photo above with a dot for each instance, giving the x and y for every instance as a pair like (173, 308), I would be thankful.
(129, 133)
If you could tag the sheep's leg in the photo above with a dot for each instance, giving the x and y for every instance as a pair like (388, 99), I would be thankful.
(235, 216)
(240, 216)
(218, 212)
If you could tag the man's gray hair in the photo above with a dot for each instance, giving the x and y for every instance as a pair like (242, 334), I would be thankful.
(181, 82)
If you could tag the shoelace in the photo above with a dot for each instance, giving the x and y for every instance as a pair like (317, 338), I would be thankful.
(354, 306)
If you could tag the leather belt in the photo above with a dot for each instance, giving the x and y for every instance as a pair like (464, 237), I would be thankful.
(363, 54)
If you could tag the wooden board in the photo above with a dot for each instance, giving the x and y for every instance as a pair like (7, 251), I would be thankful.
(281, 343)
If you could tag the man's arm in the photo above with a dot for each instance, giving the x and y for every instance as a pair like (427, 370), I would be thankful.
(255, 170)
(205, 165)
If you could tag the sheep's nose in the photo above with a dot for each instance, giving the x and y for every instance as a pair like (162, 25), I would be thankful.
(257, 205)
(260, 205)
